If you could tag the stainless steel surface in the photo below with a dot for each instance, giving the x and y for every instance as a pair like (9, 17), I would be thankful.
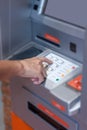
(15, 25)
(71, 12)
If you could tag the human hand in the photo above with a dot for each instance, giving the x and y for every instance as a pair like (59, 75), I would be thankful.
(33, 68)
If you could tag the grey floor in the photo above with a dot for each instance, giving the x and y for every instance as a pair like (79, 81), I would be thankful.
(2, 127)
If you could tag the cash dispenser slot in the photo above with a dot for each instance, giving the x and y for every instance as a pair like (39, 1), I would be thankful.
(45, 117)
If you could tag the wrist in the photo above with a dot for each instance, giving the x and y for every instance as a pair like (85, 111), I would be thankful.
(20, 67)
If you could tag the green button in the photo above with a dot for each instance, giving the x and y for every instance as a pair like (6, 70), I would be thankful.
(57, 79)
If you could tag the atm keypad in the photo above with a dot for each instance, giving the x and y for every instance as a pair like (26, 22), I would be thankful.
(58, 71)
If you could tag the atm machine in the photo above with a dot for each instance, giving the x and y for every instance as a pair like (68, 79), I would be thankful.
(58, 33)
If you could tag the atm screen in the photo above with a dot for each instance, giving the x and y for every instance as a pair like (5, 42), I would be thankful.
(70, 11)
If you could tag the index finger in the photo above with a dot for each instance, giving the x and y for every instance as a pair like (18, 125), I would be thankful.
(43, 59)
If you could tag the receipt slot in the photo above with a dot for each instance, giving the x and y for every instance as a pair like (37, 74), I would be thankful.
(59, 102)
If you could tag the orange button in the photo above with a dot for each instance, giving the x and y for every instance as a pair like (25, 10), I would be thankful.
(76, 83)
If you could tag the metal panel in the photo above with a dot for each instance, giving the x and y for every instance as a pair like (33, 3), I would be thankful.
(83, 113)
(15, 24)
(65, 40)
(73, 12)
(4, 15)
(20, 28)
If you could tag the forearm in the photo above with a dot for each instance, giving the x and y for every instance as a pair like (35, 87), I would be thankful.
(29, 68)
(9, 69)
